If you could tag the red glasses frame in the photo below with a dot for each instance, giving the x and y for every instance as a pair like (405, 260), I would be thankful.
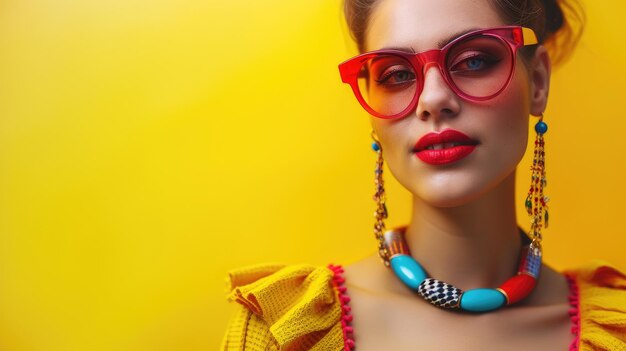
(514, 37)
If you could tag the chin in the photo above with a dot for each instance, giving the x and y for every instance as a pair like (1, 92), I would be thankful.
(456, 190)
(453, 196)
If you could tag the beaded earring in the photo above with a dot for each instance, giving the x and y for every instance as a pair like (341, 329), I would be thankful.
(380, 198)
(536, 201)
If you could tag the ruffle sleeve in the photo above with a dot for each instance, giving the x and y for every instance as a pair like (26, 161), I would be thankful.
(601, 315)
(296, 307)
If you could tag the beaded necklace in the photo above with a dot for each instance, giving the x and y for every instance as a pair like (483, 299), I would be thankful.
(448, 296)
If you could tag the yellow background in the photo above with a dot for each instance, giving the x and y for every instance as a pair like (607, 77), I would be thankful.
(146, 147)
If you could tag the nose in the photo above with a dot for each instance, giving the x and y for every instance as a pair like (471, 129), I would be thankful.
(437, 99)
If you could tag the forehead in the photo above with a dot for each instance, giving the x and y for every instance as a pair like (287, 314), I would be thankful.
(422, 24)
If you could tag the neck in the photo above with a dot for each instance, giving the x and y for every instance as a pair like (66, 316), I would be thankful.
(470, 246)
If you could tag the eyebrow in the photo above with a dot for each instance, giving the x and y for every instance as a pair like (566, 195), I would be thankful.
(399, 48)
(440, 43)
(447, 40)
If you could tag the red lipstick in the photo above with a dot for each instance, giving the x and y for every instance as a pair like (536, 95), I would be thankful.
(443, 148)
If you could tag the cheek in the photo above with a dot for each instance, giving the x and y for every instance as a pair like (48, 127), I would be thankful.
(392, 135)
(511, 111)
(396, 138)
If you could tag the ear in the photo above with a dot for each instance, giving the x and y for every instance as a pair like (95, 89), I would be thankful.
(540, 69)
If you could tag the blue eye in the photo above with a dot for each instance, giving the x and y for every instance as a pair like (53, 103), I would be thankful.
(480, 63)
(396, 76)
(475, 63)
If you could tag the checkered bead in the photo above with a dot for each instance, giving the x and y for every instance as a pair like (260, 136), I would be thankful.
(439, 293)
(531, 263)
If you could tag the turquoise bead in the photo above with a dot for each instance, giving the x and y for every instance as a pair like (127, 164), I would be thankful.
(375, 146)
(408, 270)
(541, 127)
(482, 300)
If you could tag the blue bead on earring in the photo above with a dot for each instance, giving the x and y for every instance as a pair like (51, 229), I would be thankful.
(375, 146)
(541, 127)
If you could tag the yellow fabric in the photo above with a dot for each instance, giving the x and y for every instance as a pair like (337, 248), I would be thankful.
(284, 308)
(296, 308)
(602, 307)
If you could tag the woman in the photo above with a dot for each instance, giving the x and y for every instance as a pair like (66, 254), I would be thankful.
(450, 85)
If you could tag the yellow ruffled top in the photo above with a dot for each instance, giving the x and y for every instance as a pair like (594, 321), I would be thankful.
(304, 307)
(600, 306)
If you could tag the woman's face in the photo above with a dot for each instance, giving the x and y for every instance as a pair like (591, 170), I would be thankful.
(499, 127)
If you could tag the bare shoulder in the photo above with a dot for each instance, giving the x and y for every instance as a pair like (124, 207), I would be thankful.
(370, 275)
(552, 289)
(360, 272)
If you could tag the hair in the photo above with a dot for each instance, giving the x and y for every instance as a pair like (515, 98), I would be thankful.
(558, 24)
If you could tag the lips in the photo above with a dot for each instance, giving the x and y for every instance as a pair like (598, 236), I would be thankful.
(443, 148)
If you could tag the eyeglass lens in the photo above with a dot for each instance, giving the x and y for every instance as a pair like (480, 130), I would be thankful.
(478, 67)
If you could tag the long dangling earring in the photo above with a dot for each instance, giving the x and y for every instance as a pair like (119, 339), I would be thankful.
(380, 198)
(536, 201)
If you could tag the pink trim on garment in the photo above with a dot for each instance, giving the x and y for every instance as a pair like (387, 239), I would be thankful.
(346, 317)
(574, 311)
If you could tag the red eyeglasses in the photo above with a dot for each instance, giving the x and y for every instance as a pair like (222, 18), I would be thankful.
(477, 66)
